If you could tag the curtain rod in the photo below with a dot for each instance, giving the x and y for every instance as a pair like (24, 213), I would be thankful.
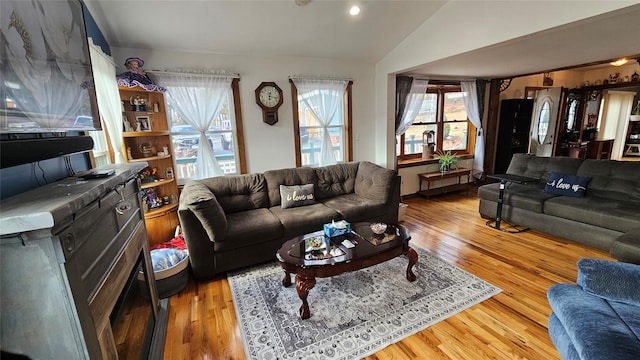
(317, 77)
(191, 72)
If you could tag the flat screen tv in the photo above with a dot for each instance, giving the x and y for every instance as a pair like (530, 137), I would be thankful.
(47, 89)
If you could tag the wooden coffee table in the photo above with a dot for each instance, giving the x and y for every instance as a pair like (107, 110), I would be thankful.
(297, 256)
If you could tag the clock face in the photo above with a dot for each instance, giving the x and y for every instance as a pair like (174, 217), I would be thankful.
(269, 96)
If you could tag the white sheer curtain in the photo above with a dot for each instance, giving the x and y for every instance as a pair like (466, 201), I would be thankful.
(198, 98)
(414, 102)
(323, 98)
(104, 74)
(470, 98)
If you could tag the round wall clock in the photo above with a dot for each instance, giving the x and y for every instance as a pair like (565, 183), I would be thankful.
(269, 98)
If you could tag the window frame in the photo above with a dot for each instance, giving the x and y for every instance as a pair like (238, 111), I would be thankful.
(347, 125)
(440, 90)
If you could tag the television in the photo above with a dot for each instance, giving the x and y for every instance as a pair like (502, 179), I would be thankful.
(47, 91)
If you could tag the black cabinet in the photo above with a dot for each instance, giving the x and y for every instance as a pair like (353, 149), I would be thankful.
(513, 131)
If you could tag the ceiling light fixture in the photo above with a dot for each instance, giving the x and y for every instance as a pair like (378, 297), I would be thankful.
(355, 10)
(302, 2)
(619, 62)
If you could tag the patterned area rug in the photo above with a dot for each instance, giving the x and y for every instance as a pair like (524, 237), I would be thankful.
(352, 315)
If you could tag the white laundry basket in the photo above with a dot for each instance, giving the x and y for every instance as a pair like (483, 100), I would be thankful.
(401, 211)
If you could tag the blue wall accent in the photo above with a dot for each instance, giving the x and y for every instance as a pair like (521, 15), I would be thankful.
(94, 32)
(21, 178)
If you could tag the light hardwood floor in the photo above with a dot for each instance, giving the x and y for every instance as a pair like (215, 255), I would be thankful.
(510, 325)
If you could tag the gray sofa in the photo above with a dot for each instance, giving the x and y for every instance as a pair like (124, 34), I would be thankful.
(607, 217)
(231, 222)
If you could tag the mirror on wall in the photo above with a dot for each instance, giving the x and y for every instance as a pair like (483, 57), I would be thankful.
(572, 117)
(543, 121)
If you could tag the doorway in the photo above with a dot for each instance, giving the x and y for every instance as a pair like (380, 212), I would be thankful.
(544, 120)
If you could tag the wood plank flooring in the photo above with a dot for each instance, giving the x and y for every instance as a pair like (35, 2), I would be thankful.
(511, 325)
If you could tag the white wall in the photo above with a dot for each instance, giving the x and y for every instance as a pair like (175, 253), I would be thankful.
(272, 147)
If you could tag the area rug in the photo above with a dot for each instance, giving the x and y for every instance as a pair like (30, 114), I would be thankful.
(353, 315)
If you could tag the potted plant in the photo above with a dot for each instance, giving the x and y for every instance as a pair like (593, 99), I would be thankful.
(446, 160)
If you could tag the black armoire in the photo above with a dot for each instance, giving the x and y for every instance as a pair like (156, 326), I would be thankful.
(513, 131)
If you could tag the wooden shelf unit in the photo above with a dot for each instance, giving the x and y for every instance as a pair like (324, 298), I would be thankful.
(160, 222)
(513, 131)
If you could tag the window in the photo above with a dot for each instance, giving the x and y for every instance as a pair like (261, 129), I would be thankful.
(309, 129)
(100, 150)
(443, 112)
(222, 134)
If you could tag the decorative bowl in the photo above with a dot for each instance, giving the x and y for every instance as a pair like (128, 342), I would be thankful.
(378, 228)
(316, 243)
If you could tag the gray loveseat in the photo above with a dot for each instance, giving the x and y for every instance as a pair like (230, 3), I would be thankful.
(607, 217)
(231, 222)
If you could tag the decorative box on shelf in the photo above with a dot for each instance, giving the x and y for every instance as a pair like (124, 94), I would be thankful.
(337, 228)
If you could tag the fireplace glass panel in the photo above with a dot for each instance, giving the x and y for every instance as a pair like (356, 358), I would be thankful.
(132, 319)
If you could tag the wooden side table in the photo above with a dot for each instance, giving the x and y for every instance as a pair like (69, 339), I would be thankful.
(431, 177)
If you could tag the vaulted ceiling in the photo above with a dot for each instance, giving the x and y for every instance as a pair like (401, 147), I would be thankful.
(324, 29)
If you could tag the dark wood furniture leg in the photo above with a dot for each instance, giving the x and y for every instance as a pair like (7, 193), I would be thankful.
(303, 286)
(413, 259)
(286, 280)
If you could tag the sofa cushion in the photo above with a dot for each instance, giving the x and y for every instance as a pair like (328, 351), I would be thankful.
(606, 213)
(250, 227)
(603, 278)
(304, 219)
(618, 180)
(566, 184)
(334, 180)
(297, 195)
(540, 167)
(373, 182)
(288, 177)
(353, 207)
(525, 196)
(239, 192)
(595, 327)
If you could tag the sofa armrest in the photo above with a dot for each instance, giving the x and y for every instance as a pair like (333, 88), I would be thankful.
(375, 182)
(199, 200)
(610, 280)
(627, 247)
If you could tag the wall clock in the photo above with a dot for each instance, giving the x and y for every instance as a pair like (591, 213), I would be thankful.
(269, 98)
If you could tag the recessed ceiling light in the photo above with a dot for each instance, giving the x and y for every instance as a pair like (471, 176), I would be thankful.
(355, 10)
(619, 62)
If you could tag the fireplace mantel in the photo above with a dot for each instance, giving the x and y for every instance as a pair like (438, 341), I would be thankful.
(66, 252)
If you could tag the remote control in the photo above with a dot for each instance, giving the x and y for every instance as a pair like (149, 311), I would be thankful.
(348, 244)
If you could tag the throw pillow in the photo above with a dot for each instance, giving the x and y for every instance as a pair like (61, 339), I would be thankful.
(567, 185)
(296, 195)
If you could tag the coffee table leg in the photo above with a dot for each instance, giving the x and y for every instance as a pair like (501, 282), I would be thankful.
(413, 259)
(286, 280)
(303, 286)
